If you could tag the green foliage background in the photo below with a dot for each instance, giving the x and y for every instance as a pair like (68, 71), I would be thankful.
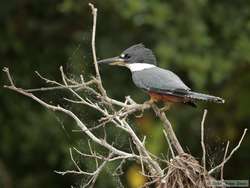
(207, 43)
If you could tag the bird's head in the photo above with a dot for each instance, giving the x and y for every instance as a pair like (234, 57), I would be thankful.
(135, 55)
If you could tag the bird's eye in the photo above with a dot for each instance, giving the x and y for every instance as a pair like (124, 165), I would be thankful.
(125, 56)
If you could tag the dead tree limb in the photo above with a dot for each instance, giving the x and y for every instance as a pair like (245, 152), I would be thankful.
(169, 130)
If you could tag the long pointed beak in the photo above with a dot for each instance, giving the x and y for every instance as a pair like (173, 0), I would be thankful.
(112, 61)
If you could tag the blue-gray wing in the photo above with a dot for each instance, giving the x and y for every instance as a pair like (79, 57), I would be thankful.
(159, 80)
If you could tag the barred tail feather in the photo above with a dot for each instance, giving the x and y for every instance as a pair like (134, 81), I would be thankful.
(204, 97)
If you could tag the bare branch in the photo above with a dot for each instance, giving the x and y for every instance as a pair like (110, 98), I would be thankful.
(94, 12)
(77, 120)
(230, 155)
(169, 130)
(98, 77)
(120, 123)
(76, 86)
(169, 144)
(153, 165)
(78, 171)
(99, 169)
(202, 140)
(224, 158)
(72, 158)
(48, 80)
(88, 155)
(6, 70)
(94, 174)
(101, 157)
(74, 172)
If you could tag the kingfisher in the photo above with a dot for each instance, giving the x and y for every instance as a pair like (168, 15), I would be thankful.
(161, 85)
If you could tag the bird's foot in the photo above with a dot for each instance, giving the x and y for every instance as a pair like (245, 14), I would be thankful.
(149, 102)
(142, 111)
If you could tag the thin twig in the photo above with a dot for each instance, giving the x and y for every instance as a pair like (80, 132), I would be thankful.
(98, 77)
(6, 70)
(222, 167)
(99, 169)
(72, 159)
(169, 144)
(94, 13)
(92, 153)
(230, 155)
(100, 157)
(77, 86)
(202, 140)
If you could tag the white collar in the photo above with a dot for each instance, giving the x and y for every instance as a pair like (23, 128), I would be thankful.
(139, 66)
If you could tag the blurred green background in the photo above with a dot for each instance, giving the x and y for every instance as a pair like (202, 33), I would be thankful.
(207, 43)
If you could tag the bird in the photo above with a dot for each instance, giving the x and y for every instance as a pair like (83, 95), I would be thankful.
(162, 85)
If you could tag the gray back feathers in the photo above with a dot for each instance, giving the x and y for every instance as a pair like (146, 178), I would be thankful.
(166, 82)
(158, 79)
